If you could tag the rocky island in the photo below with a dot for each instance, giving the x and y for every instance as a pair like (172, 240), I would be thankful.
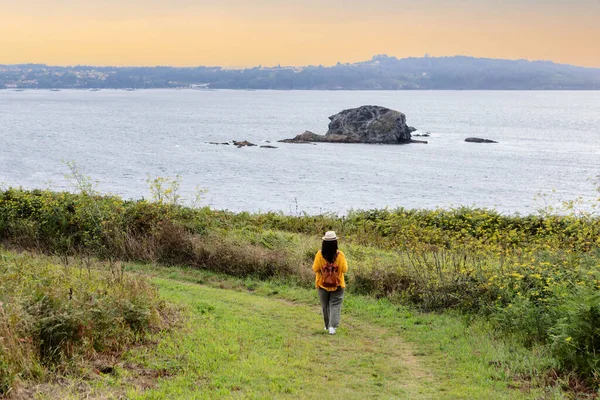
(365, 124)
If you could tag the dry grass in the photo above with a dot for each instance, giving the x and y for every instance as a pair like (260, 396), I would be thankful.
(55, 319)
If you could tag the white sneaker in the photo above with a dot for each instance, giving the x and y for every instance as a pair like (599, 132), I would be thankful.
(325, 329)
(331, 330)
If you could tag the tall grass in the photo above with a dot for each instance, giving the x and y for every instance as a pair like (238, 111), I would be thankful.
(536, 277)
(53, 316)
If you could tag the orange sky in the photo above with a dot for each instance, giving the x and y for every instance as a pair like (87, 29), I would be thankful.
(235, 33)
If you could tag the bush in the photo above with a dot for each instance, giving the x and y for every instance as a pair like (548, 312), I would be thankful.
(52, 315)
(575, 336)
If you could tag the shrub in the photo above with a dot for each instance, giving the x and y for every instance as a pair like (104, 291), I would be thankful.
(575, 336)
(52, 315)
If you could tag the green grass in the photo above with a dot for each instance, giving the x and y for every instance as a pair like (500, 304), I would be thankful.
(245, 338)
(253, 339)
(239, 344)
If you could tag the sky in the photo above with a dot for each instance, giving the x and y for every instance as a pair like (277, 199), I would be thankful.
(244, 33)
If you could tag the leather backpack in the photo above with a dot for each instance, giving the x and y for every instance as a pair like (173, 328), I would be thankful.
(330, 274)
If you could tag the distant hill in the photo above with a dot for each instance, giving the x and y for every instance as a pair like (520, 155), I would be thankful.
(382, 72)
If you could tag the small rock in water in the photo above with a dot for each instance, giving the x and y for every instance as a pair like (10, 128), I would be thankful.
(267, 147)
(306, 137)
(243, 143)
(479, 140)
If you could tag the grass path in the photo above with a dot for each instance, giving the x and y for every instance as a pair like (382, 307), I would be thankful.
(246, 346)
(264, 340)
(243, 338)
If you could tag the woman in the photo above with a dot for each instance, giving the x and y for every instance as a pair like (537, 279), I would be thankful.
(330, 266)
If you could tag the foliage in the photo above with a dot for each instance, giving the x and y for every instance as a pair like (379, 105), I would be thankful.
(52, 316)
(526, 273)
(575, 337)
(165, 190)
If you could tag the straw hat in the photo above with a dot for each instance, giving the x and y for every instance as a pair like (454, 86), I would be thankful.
(330, 236)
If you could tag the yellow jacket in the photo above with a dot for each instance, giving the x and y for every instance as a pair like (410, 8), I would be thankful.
(320, 262)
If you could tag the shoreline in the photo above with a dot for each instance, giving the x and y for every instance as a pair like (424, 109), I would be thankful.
(93, 88)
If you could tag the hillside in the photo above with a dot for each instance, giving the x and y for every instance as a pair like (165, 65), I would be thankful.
(245, 338)
(380, 73)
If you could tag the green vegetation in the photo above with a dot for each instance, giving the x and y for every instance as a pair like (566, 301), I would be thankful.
(442, 357)
(55, 318)
(249, 338)
(256, 347)
(535, 279)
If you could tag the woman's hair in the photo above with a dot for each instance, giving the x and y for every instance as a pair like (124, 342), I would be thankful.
(329, 250)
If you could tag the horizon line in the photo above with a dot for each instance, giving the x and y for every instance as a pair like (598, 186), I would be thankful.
(299, 66)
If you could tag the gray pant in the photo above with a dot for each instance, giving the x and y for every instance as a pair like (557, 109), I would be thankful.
(332, 306)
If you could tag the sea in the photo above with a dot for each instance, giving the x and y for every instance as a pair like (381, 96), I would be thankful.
(548, 148)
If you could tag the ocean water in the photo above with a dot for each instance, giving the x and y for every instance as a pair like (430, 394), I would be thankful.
(549, 143)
